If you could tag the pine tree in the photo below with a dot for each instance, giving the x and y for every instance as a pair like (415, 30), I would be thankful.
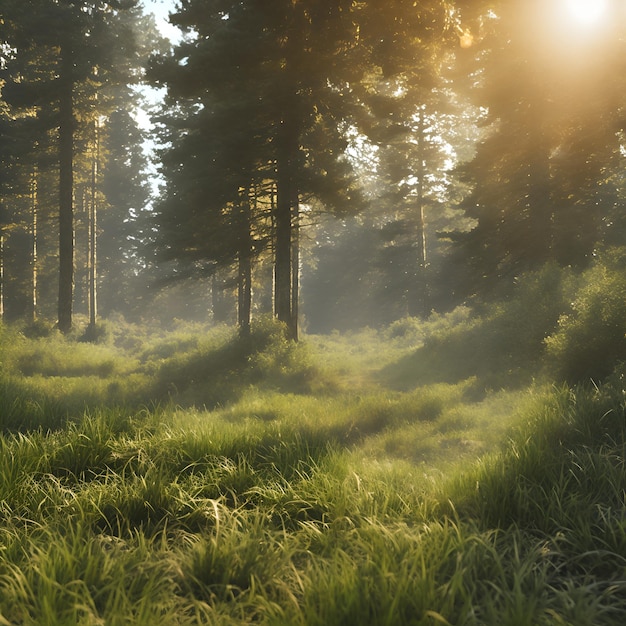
(67, 56)
(263, 95)
(541, 180)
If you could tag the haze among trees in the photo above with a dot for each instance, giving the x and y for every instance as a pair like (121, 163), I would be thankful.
(339, 338)
(338, 166)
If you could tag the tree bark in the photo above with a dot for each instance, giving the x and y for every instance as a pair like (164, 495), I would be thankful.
(282, 261)
(93, 233)
(33, 211)
(66, 191)
(295, 266)
(244, 280)
(288, 137)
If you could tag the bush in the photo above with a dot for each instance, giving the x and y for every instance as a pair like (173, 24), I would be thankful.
(591, 340)
(216, 373)
(406, 329)
(38, 329)
(501, 342)
(99, 333)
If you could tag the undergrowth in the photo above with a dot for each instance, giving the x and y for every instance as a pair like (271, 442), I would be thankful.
(197, 477)
(191, 517)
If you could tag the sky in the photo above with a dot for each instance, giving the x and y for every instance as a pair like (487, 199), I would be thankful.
(161, 9)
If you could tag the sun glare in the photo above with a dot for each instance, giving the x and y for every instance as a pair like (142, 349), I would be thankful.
(586, 12)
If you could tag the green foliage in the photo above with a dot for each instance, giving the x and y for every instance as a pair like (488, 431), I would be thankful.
(26, 406)
(591, 340)
(543, 188)
(60, 376)
(66, 68)
(561, 480)
(406, 328)
(58, 357)
(213, 374)
(38, 329)
(502, 346)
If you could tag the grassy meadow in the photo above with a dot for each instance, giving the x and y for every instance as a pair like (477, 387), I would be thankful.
(421, 474)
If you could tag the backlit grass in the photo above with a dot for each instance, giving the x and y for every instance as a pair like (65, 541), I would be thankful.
(308, 493)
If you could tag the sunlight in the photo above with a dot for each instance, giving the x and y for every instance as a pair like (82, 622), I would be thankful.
(586, 12)
(466, 39)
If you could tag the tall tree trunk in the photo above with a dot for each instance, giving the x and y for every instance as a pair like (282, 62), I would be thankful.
(273, 308)
(244, 279)
(295, 265)
(418, 301)
(66, 189)
(286, 178)
(282, 260)
(93, 230)
(244, 307)
(34, 260)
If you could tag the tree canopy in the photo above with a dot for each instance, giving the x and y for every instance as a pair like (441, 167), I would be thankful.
(457, 144)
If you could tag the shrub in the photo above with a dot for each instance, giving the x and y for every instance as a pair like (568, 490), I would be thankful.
(591, 340)
(217, 373)
(100, 333)
(407, 329)
(38, 329)
(502, 342)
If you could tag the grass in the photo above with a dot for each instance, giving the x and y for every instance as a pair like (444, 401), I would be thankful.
(291, 485)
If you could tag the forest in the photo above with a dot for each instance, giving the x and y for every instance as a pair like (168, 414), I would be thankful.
(313, 313)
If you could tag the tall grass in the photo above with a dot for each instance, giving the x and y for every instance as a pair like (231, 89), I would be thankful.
(191, 517)
(47, 380)
(238, 482)
(501, 342)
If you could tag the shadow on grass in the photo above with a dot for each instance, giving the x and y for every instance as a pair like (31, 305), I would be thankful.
(487, 351)
(220, 375)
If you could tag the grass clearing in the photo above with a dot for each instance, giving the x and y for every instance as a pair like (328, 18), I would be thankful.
(310, 493)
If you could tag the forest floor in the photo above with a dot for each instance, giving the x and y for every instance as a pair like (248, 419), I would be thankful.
(196, 477)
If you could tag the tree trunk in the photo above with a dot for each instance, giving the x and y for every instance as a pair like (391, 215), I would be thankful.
(66, 189)
(418, 301)
(282, 260)
(93, 230)
(295, 266)
(33, 211)
(244, 279)
(288, 145)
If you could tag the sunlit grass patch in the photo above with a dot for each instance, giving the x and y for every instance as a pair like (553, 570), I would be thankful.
(562, 475)
(345, 419)
(316, 504)
(57, 356)
(48, 402)
(190, 516)
(461, 433)
(80, 578)
(353, 357)
(222, 368)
